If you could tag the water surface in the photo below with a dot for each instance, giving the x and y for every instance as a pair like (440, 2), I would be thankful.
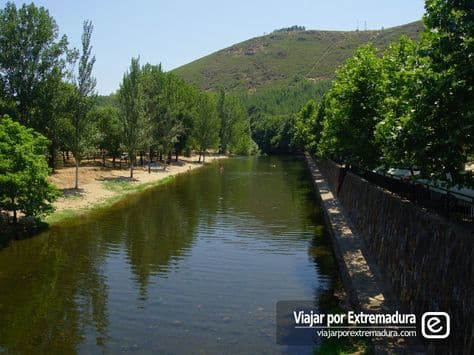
(193, 266)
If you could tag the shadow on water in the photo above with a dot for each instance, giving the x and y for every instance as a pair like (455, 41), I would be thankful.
(26, 228)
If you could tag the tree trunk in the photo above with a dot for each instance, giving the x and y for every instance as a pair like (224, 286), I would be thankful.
(15, 219)
(113, 161)
(103, 157)
(161, 156)
(76, 186)
(176, 158)
(64, 157)
(67, 154)
(149, 160)
(199, 157)
(52, 157)
(203, 157)
(141, 158)
(131, 168)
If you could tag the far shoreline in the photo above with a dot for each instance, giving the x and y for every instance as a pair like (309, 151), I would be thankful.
(104, 187)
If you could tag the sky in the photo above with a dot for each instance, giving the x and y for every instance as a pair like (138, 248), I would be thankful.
(176, 32)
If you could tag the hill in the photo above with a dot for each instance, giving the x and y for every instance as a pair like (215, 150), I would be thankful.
(280, 57)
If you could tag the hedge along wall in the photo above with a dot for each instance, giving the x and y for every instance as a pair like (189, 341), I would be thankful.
(428, 259)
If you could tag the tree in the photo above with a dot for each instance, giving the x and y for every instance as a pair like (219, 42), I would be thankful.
(189, 97)
(400, 64)
(85, 90)
(307, 129)
(107, 125)
(169, 123)
(273, 133)
(151, 87)
(352, 111)
(24, 171)
(206, 125)
(131, 111)
(428, 118)
(444, 112)
(234, 125)
(33, 61)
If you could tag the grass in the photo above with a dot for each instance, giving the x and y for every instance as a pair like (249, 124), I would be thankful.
(343, 346)
(121, 188)
(277, 58)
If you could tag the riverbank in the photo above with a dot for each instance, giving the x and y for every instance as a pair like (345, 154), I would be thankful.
(363, 280)
(100, 187)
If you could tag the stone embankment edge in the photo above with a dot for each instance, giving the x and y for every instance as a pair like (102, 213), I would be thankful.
(362, 279)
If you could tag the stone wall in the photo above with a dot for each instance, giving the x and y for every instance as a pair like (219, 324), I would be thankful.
(427, 259)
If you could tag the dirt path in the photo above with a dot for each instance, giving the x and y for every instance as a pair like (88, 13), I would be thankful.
(95, 181)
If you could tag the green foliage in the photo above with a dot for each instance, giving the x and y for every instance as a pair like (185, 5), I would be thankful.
(173, 113)
(287, 99)
(352, 110)
(234, 126)
(206, 124)
(399, 66)
(33, 62)
(108, 129)
(273, 133)
(414, 107)
(24, 185)
(429, 120)
(274, 109)
(169, 106)
(131, 111)
(445, 111)
(83, 98)
(307, 130)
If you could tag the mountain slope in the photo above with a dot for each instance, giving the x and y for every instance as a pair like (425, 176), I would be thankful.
(279, 57)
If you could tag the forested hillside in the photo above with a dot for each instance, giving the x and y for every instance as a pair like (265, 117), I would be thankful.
(283, 56)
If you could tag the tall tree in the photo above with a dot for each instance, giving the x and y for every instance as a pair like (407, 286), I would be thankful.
(234, 131)
(352, 110)
(393, 134)
(151, 87)
(107, 125)
(131, 111)
(33, 61)
(168, 124)
(85, 86)
(188, 97)
(307, 129)
(446, 109)
(24, 184)
(206, 125)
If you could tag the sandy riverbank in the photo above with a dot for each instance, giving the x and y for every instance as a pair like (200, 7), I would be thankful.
(98, 185)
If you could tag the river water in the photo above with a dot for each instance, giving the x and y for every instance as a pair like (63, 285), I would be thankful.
(193, 266)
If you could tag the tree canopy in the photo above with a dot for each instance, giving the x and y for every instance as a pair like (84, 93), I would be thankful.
(24, 185)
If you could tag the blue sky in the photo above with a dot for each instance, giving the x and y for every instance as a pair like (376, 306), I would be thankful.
(175, 32)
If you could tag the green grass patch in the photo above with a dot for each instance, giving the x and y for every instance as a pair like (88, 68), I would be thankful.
(59, 216)
(346, 345)
(121, 188)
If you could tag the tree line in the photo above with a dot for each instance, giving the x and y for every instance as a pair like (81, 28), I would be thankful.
(411, 107)
(49, 105)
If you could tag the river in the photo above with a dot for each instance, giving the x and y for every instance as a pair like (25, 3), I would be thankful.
(193, 266)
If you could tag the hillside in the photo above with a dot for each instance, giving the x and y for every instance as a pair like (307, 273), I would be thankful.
(279, 57)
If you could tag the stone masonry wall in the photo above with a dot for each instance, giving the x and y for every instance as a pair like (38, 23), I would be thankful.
(427, 259)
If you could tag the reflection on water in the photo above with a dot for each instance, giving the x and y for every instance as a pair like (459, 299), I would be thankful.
(193, 266)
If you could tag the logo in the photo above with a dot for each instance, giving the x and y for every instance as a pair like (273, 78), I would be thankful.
(435, 325)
